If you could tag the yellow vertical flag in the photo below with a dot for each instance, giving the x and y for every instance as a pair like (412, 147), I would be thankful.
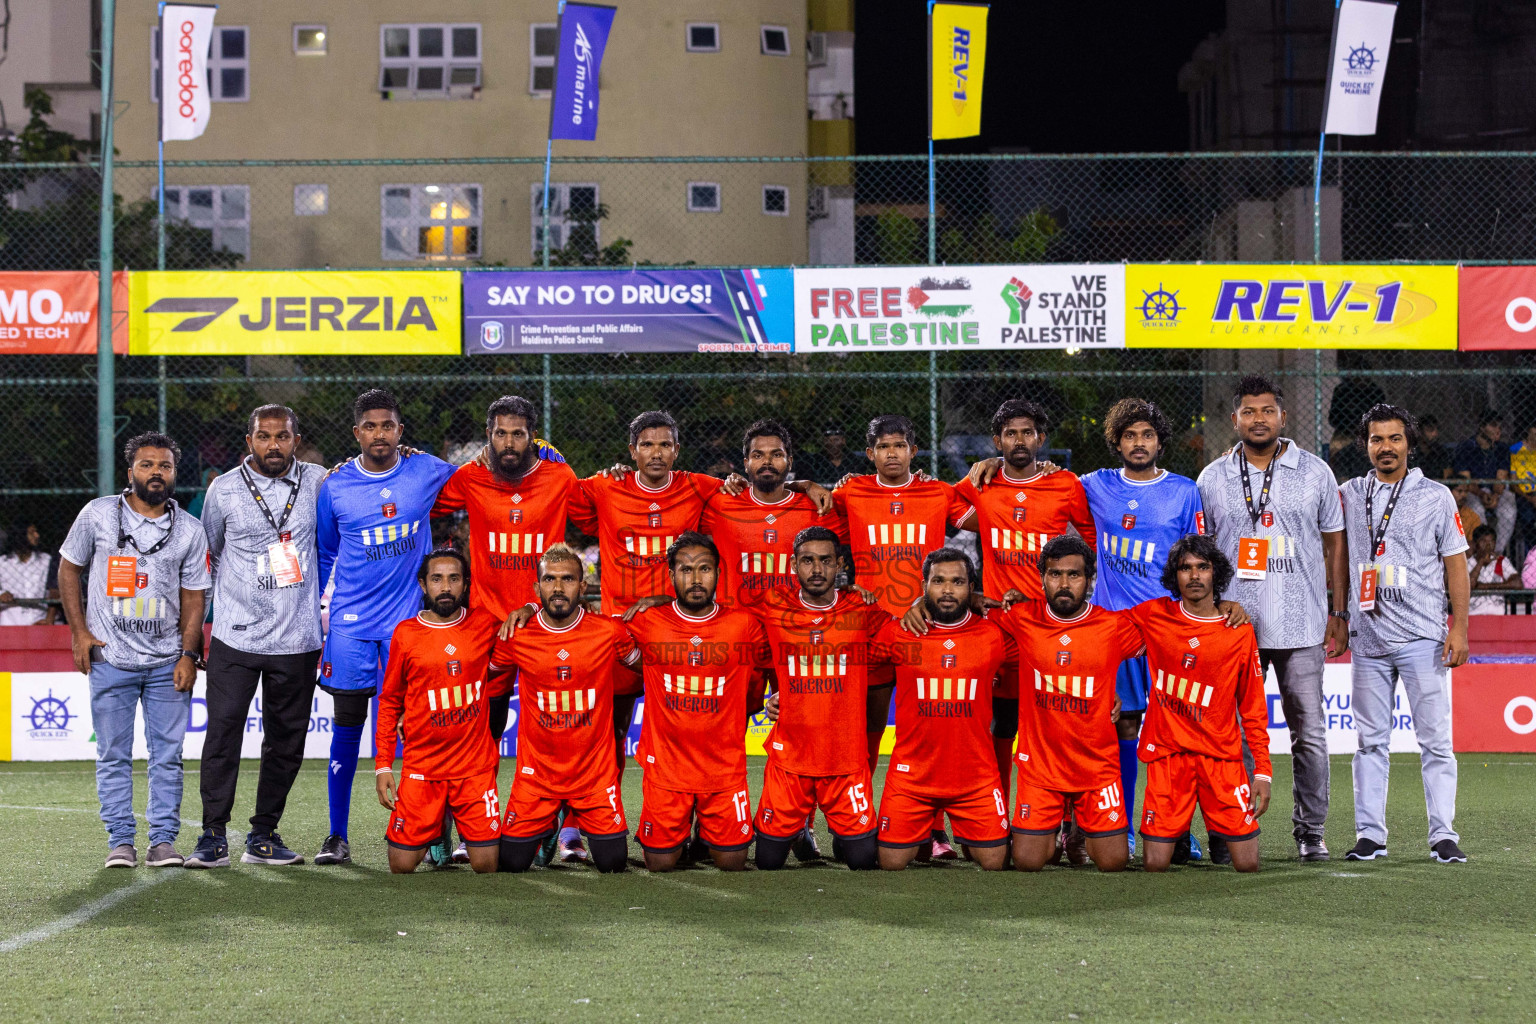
(957, 56)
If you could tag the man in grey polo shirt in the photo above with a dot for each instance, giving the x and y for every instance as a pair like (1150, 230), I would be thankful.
(1274, 509)
(260, 521)
(138, 634)
(1407, 555)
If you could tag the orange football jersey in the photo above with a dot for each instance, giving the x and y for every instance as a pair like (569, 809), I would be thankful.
(944, 705)
(1204, 675)
(1016, 518)
(565, 687)
(757, 542)
(696, 675)
(434, 690)
(821, 657)
(509, 527)
(892, 529)
(634, 525)
(1067, 670)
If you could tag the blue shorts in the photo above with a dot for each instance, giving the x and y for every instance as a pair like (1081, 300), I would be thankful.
(350, 665)
(1132, 684)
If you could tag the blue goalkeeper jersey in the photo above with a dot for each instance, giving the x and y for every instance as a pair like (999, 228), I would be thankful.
(1137, 523)
(374, 529)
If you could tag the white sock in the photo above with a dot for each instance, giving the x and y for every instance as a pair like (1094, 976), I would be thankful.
(569, 835)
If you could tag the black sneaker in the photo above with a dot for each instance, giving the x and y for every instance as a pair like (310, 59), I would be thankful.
(1181, 849)
(1311, 849)
(334, 851)
(1216, 850)
(1447, 852)
(1367, 849)
(268, 848)
(804, 847)
(212, 852)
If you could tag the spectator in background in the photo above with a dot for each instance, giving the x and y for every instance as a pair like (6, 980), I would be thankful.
(1522, 470)
(25, 572)
(1483, 456)
(834, 461)
(1490, 571)
(309, 452)
(1345, 457)
(1468, 507)
(1434, 456)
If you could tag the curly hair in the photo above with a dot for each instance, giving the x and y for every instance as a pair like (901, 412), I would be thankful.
(1021, 408)
(1382, 412)
(1069, 544)
(1200, 546)
(1129, 411)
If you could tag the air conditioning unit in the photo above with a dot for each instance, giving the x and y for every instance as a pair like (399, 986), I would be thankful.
(816, 50)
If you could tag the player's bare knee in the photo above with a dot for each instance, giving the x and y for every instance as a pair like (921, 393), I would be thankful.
(896, 858)
(1245, 856)
(989, 858)
(728, 860)
(659, 862)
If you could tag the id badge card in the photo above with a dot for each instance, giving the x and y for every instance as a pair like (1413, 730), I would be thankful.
(285, 563)
(122, 576)
(1252, 558)
(1368, 590)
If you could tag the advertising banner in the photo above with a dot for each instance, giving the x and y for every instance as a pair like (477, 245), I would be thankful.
(584, 32)
(322, 312)
(1498, 308)
(54, 311)
(1493, 708)
(186, 34)
(628, 311)
(1038, 306)
(1343, 737)
(1182, 305)
(957, 40)
(1362, 40)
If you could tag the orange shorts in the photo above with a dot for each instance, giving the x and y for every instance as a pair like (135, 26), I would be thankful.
(1176, 782)
(532, 815)
(979, 818)
(1098, 812)
(788, 798)
(627, 681)
(666, 818)
(417, 820)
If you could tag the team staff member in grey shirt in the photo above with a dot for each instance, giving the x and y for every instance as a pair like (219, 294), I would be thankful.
(139, 635)
(1274, 509)
(1407, 554)
(260, 522)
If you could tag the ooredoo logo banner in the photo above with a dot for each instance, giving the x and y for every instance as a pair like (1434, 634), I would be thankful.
(1494, 708)
(1498, 308)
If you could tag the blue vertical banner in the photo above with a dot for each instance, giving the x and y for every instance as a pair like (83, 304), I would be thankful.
(584, 32)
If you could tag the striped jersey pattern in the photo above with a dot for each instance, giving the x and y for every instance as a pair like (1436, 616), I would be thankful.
(703, 686)
(567, 700)
(818, 666)
(1183, 689)
(1119, 545)
(141, 607)
(384, 534)
(1386, 575)
(929, 688)
(769, 562)
(647, 547)
(515, 543)
(883, 534)
(1075, 686)
(1018, 540)
(455, 696)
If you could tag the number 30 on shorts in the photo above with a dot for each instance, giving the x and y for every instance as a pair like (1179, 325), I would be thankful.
(1109, 796)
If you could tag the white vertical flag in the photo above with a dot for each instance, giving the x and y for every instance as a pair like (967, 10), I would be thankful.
(1362, 37)
(186, 34)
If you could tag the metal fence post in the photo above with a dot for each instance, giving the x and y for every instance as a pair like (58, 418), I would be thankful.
(933, 413)
(1317, 403)
(105, 368)
(548, 400)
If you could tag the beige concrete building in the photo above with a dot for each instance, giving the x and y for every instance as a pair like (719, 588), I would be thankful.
(461, 104)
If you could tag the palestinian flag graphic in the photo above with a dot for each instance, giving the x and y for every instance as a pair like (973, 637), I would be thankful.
(934, 298)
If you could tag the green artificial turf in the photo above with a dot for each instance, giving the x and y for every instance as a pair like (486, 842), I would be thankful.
(1401, 939)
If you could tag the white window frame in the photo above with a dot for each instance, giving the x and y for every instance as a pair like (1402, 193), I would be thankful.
(325, 41)
(762, 41)
(688, 37)
(537, 60)
(466, 68)
(719, 198)
(776, 213)
(299, 206)
(414, 222)
(216, 64)
(178, 207)
(559, 202)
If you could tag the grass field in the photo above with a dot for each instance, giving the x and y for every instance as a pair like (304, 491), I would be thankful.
(1402, 939)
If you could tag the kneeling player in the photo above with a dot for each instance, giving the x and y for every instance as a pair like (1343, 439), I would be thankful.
(1204, 677)
(1068, 749)
(435, 691)
(699, 659)
(565, 659)
(943, 760)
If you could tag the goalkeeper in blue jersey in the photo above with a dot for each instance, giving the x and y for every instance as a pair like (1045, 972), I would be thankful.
(372, 527)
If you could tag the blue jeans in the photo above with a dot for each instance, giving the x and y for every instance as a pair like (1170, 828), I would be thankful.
(115, 697)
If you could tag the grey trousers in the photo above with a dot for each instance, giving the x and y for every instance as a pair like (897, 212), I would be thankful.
(1300, 674)
(1426, 681)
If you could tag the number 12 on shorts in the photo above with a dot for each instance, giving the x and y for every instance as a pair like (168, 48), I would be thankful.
(492, 806)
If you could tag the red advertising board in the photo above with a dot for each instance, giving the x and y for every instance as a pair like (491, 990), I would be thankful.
(54, 311)
(1493, 708)
(1498, 308)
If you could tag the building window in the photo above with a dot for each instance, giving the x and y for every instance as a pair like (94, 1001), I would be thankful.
(429, 61)
(311, 200)
(229, 66)
(776, 200)
(223, 209)
(309, 40)
(573, 217)
(703, 37)
(775, 40)
(543, 41)
(703, 197)
(430, 222)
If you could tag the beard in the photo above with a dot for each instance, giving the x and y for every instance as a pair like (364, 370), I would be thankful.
(446, 604)
(948, 618)
(142, 491)
(511, 466)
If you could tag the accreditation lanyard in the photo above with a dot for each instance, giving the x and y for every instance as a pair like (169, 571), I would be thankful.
(1377, 533)
(1253, 552)
(282, 555)
(261, 503)
(123, 576)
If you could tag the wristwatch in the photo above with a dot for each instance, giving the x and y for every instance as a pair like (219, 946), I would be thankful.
(197, 659)
(1340, 615)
